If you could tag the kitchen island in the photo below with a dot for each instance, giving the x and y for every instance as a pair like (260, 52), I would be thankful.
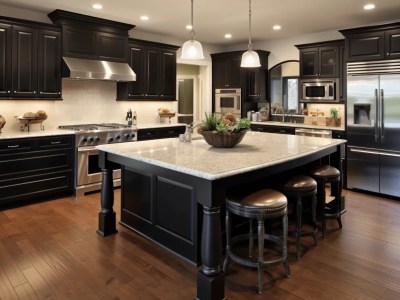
(167, 172)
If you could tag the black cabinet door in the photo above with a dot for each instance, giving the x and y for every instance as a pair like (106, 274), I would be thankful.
(309, 62)
(79, 43)
(256, 79)
(24, 62)
(392, 44)
(112, 47)
(5, 60)
(168, 75)
(153, 73)
(233, 71)
(328, 61)
(218, 72)
(138, 64)
(49, 63)
(365, 46)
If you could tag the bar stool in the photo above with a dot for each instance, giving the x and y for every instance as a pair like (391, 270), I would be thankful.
(324, 174)
(302, 188)
(261, 205)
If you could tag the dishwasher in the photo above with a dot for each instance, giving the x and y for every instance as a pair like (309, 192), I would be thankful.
(314, 132)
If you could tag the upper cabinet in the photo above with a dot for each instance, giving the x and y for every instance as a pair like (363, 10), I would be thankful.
(372, 42)
(319, 60)
(155, 68)
(30, 61)
(226, 71)
(256, 79)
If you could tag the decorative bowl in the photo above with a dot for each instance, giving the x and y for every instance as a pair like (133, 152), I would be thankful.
(225, 139)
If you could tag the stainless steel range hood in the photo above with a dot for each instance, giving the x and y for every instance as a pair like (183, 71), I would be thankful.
(77, 68)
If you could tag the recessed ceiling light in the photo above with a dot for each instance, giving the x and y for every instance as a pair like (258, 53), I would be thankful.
(97, 6)
(228, 36)
(276, 27)
(144, 18)
(189, 27)
(369, 6)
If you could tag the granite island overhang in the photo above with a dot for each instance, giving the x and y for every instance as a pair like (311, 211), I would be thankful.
(170, 189)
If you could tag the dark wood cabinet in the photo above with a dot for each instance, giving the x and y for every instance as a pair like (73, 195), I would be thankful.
(273, 129)
(226, 71)
(24, 61)
(49, 63)
(160, 132)
(320, 59)
(36, 168)
(5, 60)
(256, 79)
(373, 42)
(30, 60)
(155, 68)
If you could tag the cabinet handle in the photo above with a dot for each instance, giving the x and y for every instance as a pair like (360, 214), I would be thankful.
(8, 92)
(40, 93)
(13, 146)
(55, 143)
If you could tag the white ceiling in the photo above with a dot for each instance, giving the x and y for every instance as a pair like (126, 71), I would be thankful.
(214, 18)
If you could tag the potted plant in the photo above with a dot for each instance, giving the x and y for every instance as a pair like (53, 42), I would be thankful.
(334, 119)
(224, 132)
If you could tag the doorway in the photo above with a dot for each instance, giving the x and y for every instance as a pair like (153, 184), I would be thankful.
(187, 98)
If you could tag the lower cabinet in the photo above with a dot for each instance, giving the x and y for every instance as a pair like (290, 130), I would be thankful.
(160, 133)
(147, 207)
(36, 168)
(273, 129)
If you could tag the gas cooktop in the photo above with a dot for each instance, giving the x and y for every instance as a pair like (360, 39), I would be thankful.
(100, 126)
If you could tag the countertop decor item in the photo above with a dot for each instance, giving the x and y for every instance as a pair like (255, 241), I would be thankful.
(2, 122)
(32, 118)
(334, 119)
(166, 113)
(225, 132)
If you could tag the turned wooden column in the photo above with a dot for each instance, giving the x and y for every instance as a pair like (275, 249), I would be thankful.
(210, 279)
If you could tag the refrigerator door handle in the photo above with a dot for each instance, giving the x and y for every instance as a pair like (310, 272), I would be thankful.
(364, 151)
(377, 120)
(389, 154)
(382, 123)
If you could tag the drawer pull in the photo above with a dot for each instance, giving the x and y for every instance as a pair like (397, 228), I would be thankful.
(56, 143)
(13, 146)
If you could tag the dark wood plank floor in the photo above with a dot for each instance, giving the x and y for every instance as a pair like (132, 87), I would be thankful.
(50, 250)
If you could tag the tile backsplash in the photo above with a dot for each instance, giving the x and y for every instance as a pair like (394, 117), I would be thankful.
(84, 101)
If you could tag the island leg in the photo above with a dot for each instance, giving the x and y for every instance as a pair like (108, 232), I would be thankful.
(107, 218)
(210, 279)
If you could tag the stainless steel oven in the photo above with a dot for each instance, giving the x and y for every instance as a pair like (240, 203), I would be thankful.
(88, 175)
(228, 101)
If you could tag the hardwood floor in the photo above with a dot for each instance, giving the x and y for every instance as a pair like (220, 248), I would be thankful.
(50, 250)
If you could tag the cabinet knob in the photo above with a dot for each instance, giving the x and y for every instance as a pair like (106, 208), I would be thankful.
(41, 93)
(59, 93)
(8, 92)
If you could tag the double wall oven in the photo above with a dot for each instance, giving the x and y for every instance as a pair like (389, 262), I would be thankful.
(87, 136)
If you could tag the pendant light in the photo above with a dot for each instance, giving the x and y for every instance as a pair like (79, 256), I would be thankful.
(250, 58)
(192, 49)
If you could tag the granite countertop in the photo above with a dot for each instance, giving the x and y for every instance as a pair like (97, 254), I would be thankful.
(257, 150)
(298, 125)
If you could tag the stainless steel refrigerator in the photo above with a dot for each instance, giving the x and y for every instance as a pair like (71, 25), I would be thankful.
(373, 126)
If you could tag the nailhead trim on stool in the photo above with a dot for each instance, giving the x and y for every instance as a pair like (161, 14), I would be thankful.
(261, 205)
(302, 188)
(324, 174)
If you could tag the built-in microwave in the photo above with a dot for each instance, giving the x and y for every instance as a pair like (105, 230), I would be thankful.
(228, 101)
(319, 90)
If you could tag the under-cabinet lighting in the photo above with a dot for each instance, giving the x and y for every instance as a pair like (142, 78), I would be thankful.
(276, 27)
(144, 18)
(228, 36)
(189, 27)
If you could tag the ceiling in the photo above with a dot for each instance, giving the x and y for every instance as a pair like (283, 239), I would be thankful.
(214, 18)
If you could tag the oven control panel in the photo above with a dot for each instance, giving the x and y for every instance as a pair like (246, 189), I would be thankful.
(95, 137)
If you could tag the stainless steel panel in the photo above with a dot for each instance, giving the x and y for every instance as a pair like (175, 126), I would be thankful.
(390, 111)
(390, 174)
(361, 91)
(314, 132)
(363, 169)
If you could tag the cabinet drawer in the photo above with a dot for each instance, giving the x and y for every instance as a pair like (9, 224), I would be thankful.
(16, 146)
(55, 142)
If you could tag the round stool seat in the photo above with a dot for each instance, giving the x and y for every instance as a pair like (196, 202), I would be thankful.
(262, 204)
(326, 171)
(301, 183)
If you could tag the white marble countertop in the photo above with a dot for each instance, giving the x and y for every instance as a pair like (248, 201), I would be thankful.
(298, 125)
(256, 151)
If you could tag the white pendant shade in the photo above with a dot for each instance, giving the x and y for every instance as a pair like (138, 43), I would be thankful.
(192, 50)
(250, 59)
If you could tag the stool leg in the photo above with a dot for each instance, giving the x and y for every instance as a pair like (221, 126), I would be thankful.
(338, 201)
(299, 211)
(251, 238)
(321, 200)
(228, 241)
(261, 232)
(314, 218)
(284, 245)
